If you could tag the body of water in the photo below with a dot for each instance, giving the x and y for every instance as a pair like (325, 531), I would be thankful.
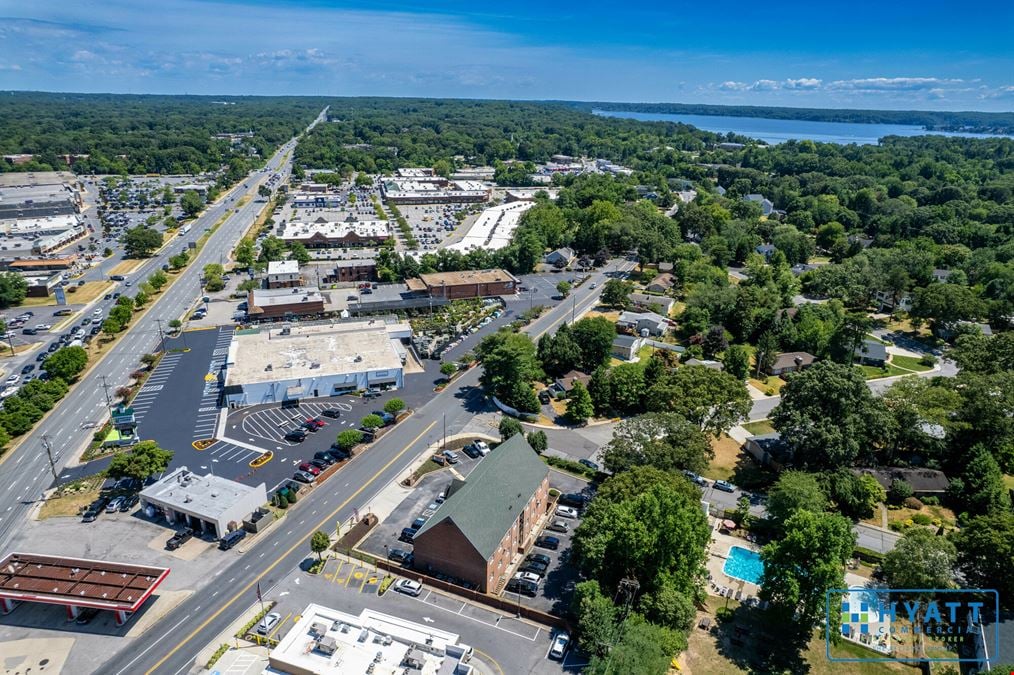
(779, 131)
(744, 564)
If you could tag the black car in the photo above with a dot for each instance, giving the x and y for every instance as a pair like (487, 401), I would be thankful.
(94, 509)
(407, 534)
(338, 452)
(53, 347)
(588, 463)
(535, 567)
(574, 499)
(523, 586)
(552, 543)
(399, 555)
(42, 356)
(320, 463)
(129, 502)
(333, 413)
(27, 369)
(29, 331)
(539, 557)
(326, 457)
(180, 538)
(296, 435)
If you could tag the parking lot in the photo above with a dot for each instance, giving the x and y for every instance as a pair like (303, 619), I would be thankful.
(271, 424)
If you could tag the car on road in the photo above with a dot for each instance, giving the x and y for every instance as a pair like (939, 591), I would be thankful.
(28, 368)
(13, 379)
(566, 512)
(528, 576)
(724, 486)
(181, 537)
(268, 622)
(86, 615)
(408, 587)
(309, 468)
(333, 413)
(558, 526)
(399, 555)
(53, 347)
(304, 477)
(114, 505)
(296, 435)
(523, 587)
(588, 463)
(42, 356)
(696, 479)
(560, 645)
(548, 542)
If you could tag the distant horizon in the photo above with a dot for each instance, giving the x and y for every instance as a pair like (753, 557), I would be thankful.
(516, 100)
(868, 56)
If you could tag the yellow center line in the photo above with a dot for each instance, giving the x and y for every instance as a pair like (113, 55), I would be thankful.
(327, 520)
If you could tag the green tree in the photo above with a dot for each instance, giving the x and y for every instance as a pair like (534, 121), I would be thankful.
(272, 248)
(13, 289)
(737, 361)
(140, 299)
(713, 400)
(563, 288)
(111, 327)
(665, 441)
(158, 280)
(615, 294)
(349, 439)
(141, 241)
(642, 647)
(795, 491)
(538, 440)
(245, 254)
(319, 542)
(191, 203)
(509, 367)
(579, 404)
(594, 336)
(985, 547)
(595, 617)
(145, 459)
(600, 389)
(263, 191)
(981, 489)
(829, 418)
(447, 369)
(363, 180)
(372, 422)
(394, 406)
(626, 386)
(803, 565)
(766, 353)
(509, 427)
(854, 496)
(946, 303)
(298, 252)
(978, 353)
(920, 559)
(66, 363)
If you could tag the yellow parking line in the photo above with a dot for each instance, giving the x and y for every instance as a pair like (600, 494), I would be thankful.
(281, 623)
(355, 574)
(341, 564)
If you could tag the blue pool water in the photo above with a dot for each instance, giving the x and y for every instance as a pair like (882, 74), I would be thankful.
(744, 564)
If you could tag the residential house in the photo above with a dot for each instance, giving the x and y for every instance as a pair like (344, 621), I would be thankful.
(566, 382)
(626, 347)
(790, 362)
(871, 353)
(769, 450)
(706, 363)
(941, 275)
(948, 331)
(665, 267)
(655, 303)
(561, 257)
(488, 519)
(720, 190)
(801, 268)
(283, 274)
(924, 482)
(766, 250)
(993, 638)
(661, 283)
(767, 206)
(643, 323)
(886, 301)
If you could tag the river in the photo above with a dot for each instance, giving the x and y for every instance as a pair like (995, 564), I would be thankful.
(779, 131)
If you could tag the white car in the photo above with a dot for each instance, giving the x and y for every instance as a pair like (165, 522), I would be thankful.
(560, 644)
(13, 379)
(8, 392)
(408, 587)
(566, 512)
(97, 312)
(42, 326)
(481, 447)
(268, 622)
(528, 576)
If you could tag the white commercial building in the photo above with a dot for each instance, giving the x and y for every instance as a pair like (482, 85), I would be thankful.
(293, 362)
(316, 200)
(326, 641)
(42, 235)
(283, 274)
(329, 233)
(494, 227)
(426, 191)
(209, 503)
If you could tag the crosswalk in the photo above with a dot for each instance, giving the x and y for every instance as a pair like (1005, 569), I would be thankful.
(224, 451)
(206, 420)
(145, 398)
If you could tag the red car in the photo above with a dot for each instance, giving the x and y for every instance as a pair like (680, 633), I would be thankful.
(314, 423)
(309, 468)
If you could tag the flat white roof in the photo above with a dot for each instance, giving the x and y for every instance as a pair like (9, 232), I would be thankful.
(283, 267)
(371, 638)
(209, 495)
(494, 227)
(336, 229)
(270, 355)
(49, 224)
(265, 297)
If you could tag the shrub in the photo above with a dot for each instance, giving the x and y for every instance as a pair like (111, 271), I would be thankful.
(349, 439)
(928, 360)
(922, 519)
(394, 406)
(899, 491)
(912, 503)
(291, 497)
(931, 500)
(372, 422)
(283, 502)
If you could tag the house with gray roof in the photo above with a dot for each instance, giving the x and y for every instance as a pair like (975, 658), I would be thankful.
(791, 362)
(488, 518)
(871, 353)
(639, 322)
(767, 206)
(660, 303)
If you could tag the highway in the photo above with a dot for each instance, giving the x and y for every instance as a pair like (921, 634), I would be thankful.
(172, 644)
(25, 471)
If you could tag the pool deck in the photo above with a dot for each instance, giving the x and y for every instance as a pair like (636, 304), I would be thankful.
(722, 585)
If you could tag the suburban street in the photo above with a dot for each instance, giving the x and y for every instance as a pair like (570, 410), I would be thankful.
(25, 471)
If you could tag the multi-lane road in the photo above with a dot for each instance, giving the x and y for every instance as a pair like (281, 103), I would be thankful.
(25, 472)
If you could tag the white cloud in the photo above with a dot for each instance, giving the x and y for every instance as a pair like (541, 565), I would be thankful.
(873, 84)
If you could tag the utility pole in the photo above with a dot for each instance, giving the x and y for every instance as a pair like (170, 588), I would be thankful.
(161, 335)
(49, 453)
(10, 341)
(444, 446)
(105, 387)
(573, 307)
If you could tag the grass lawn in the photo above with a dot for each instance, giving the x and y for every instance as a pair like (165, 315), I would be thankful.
(1008, 481)
(127, 266)
(759, 427)
(90, 291)
(938, 513)
(770, 382)
(5, 349)
(874, 373)
(68, 501)
(728, 454)
(38, 302)
(612, 315)
(912, 363)
(428, 466)
(721, 651)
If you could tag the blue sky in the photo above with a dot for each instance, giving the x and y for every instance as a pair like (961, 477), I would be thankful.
(885, 54)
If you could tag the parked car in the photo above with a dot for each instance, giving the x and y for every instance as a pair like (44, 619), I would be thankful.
(482, 447)
(94, 509)
(548, 541)
(560, 645)
(451, 456)
(418, 522)
(407, 534)
(574, 499)
(558, 526)
(724, 486)
(539, 557)
(181, 537)
(114, 505)
(333, 413)
(86, 615)
(528, 576)
(590, 464)
(129, 502)
(309, 468)
(268, 622)
(231, 539)
(566, 512)
(29, 331)
(324, 456)
(304, 477)
(384, 415)
(523, 587)
(399, 555)
(296, 435)
(408, 587)
(315, 423)
(535, 567)
(28, 368)
(696, 479)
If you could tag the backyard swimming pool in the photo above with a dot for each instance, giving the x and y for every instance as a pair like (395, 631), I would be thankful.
(744, 564)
